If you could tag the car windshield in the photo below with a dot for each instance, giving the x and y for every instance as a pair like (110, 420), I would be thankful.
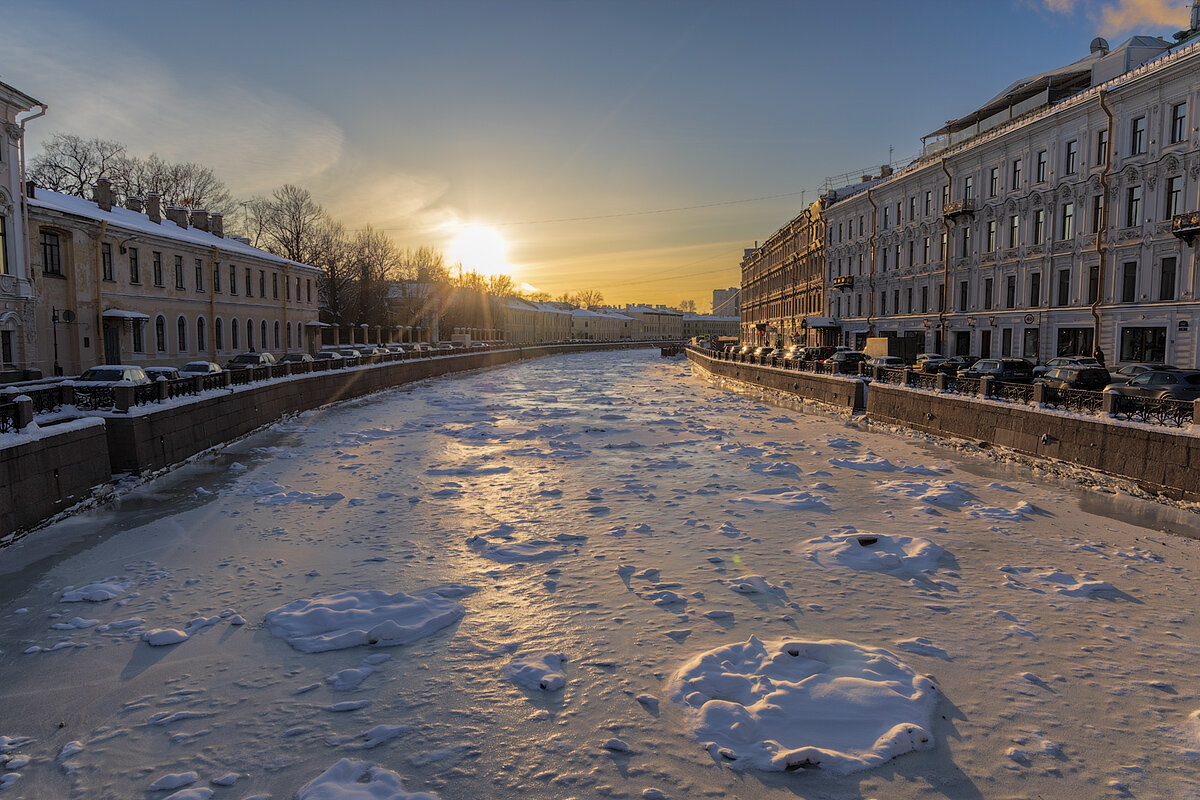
(103, 374)
(246, 358)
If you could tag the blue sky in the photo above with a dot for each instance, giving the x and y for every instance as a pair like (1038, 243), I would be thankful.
(422, 117)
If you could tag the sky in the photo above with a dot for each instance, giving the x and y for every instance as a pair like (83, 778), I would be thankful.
(631, 147)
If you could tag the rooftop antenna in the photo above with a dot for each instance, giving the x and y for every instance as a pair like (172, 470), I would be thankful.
(890, 149)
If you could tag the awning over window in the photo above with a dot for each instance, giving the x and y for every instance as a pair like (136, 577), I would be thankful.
(821, 322)
(117, 313)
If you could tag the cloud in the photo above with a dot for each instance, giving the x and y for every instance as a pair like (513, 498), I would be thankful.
(253, 138)
(1125, 15)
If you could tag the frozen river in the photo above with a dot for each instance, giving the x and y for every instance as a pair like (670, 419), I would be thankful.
(600, 576)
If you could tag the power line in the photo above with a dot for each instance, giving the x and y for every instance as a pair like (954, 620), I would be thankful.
(650, 211)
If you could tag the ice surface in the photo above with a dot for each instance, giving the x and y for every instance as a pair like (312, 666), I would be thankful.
(792, 704)
(538, 671)
(95, 592)
(358, 780)
(371, 618)
(895, 555)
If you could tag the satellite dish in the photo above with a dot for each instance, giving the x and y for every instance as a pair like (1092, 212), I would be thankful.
(68, 315)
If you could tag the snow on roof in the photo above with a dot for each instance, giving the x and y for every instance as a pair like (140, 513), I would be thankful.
(522, 303)
(632, 309)
(139, 223)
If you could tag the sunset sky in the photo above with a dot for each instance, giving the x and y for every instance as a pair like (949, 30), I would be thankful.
(631, 147)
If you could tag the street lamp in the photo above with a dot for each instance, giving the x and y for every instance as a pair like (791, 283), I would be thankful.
(67, 316)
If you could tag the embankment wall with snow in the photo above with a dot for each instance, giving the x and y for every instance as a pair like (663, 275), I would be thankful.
(48, 470)
(1161, 460)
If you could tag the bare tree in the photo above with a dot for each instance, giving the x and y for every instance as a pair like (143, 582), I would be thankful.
(687, 306)
(423, 265)
(376, 263)
(72, 164)
(291, 223)
(184, 184)
(588, 298)
(329, 250)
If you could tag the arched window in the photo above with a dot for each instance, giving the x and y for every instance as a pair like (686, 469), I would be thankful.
(233, 334)
(160, 334)
(300, 335)
(201, 339)
(277, 345)
(218, 335)
(249, 334)
(181, 327)
(263, 340)
(289, 335)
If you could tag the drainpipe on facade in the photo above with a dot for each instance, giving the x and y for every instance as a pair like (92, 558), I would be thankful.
(945, 334)
(214, 268)
(871, 258)
(100, 291)
(24, 195)
(1102, 232)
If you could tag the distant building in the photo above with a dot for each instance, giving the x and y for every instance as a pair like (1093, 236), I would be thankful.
(657, 322)
(783, 285)
(531, 322)
(153, 287)
(17, 325)
(604, 325)
(709, 325)
(727, 302)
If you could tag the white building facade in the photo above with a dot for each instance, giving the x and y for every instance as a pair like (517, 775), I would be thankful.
(1051, 221)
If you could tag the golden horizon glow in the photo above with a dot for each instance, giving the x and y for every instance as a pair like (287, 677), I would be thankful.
(481, 249)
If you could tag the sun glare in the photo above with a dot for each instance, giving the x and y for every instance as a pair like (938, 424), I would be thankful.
(480, 249)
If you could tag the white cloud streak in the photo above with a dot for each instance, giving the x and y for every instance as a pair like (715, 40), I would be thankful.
(1126, 15)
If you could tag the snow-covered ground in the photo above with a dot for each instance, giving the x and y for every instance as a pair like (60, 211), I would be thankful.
(598, 575)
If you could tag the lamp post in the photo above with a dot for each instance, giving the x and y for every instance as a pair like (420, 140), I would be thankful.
(67, 316)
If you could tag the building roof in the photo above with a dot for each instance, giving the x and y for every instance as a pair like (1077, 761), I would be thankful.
(136, 222)
(15, 97)
(533, 305)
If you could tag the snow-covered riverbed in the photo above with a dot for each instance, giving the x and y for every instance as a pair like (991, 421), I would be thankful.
(599, 576)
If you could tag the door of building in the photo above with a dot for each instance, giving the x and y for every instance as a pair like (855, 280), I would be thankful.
(985, 344)
(112, 344)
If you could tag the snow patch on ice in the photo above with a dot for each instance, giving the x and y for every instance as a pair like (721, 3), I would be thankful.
(896, 555)
(539, 671)
(358, 780)
(351, 619)
(788, 498)
(97, 592)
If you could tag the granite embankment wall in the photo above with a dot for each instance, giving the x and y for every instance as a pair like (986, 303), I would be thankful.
(47, 472)
(1161, 460)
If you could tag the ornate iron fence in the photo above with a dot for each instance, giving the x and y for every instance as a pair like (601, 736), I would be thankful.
(921, 380)
(1172, 413)
(8, 417)
(1081, 400)
(895, 376)
(1012, 392)
(46, 400)
(95, 398)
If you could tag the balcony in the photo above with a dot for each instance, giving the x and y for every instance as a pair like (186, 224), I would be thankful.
(844, 282)
(1186, 226)
(959, 208)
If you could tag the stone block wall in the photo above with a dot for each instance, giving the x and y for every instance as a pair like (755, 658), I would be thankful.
(51, 472)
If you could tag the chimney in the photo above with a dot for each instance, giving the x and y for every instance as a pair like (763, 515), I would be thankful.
(154, 208)
(885, 171)
(200, 219)
(216, 223)
(178, 215)
(102, 194)
(134, 204)
(30, 189)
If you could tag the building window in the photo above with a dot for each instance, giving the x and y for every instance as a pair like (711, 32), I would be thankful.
(249, 289)
(1166, 279)
(106, 262)
(991, 236)
(969, 187)
(1014, 231)
(289, 333)
(1102, 147)
(912, 253)
(178, 270)
(988, 286)
(1016, 175)
(201, 337)
(1133, 206)
(233, 334)
(928, 207)
(885, 217)
(1129, 282)
(925, 251)
(908, 299)
(1066, 226)
(181, 330)
(135, 270)
(1071, 165)
(4, 269)
(277, 344)
(199, 264)
(924, 299)
(993, 181)
(966, 242)
(233, 283)
(218, 335)
(139, 335)
(1010, 292)
(263, 334)
(275, 286)
(1035, 289)
(297, 290)
(51, 253)
(1098, 213)
(1178, 118)
(1039, 226)
(1174, 196)
(1093, 283)
(1137, 136)
(942, 247)
(249, 334)
(912, 208)
(308, 288)
(1041, 166)
(941, 297)
(262, 283)
(216, 277)
(1064, 287)
(160, 334)
(1144, 344)
(945, 196)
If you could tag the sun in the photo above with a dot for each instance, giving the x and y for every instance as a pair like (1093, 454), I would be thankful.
(480, 249)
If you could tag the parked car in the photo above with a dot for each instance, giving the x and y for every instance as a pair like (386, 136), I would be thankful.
(1164, 384)
(763, 351)
(166, 373)
(199, 368)
(329, 355)
(1076, 376)
(815, 353)
(845, 361)
(350, 352)
(1130, 370)
(1065, 361)
(295, 358)
(886, 362)
(371, 350)
(1017, 370)
(928, 363)
(250, 361)
(953, 364)
(113, 374)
